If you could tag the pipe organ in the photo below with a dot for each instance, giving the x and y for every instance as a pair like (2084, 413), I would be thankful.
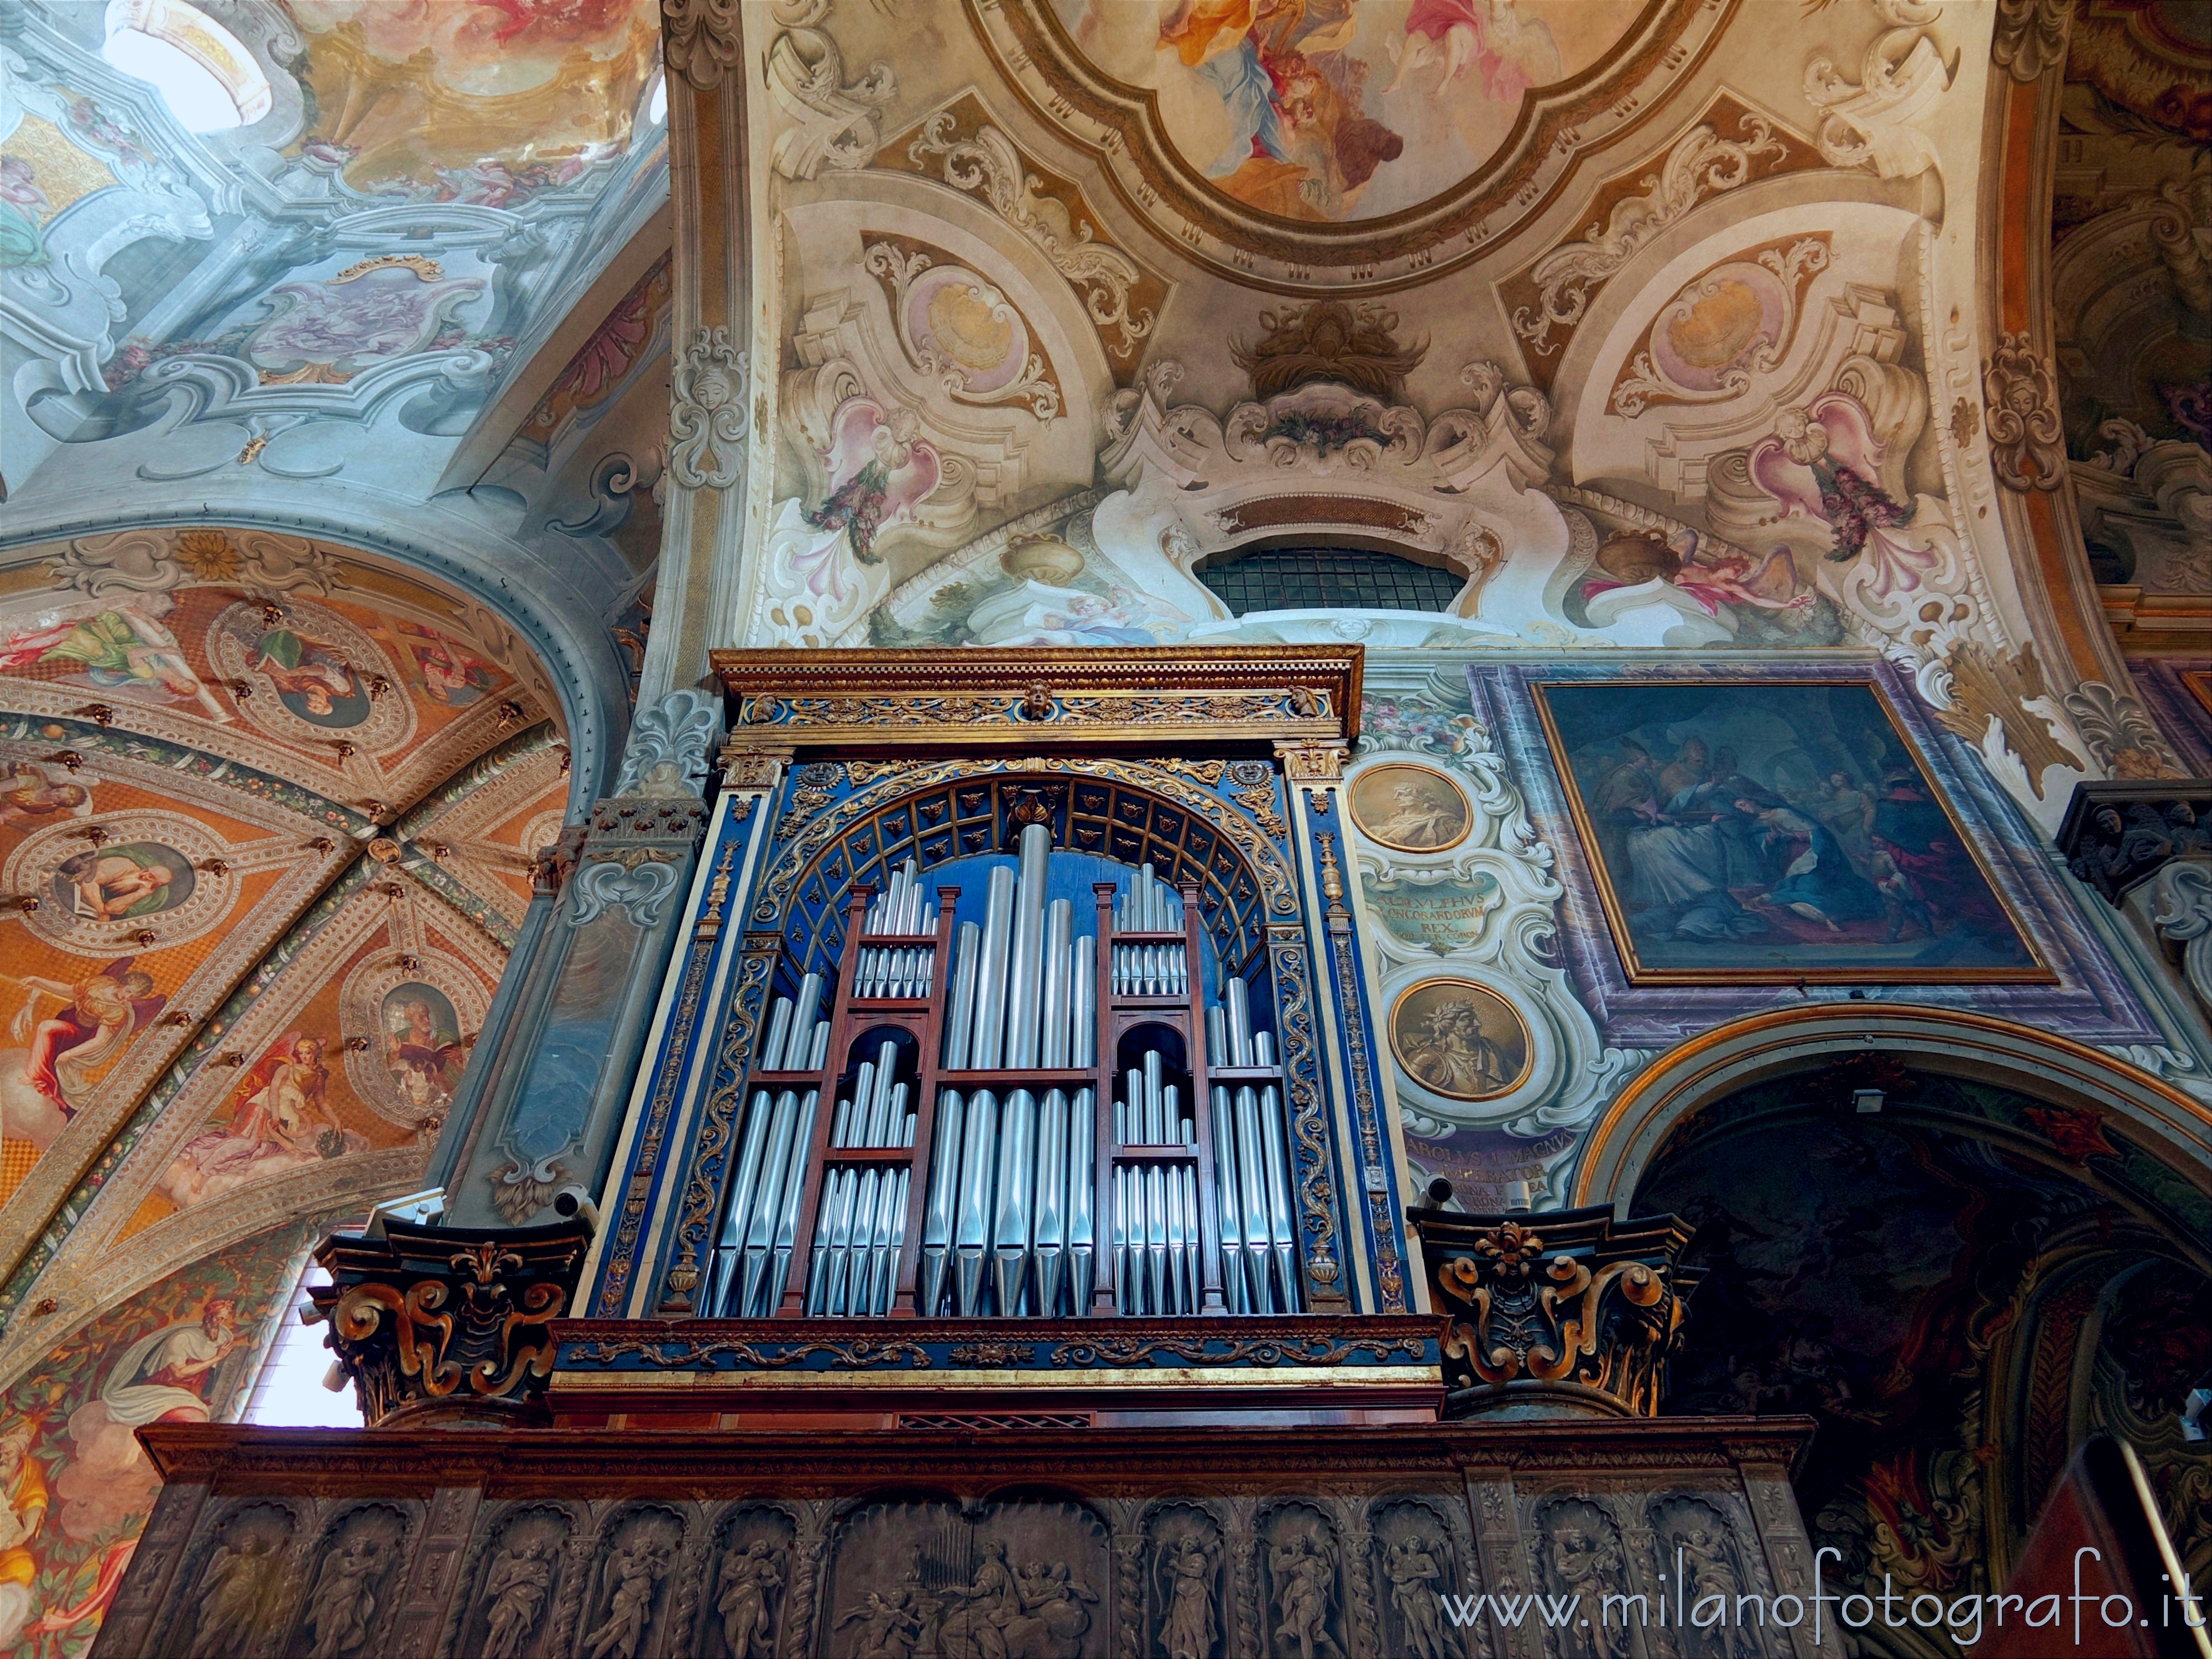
(1001, 1141)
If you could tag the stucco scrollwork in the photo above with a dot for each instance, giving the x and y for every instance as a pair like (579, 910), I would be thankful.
(707, 419)
(1870, 122)
(990, 166)
(2181, 909)
(1702, 164)
(639, 881)
(669, 745)
(834, 124)
(701, 40)
(2028, 440)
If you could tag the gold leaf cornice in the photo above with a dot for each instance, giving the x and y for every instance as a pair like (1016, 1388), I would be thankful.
(1043, 697)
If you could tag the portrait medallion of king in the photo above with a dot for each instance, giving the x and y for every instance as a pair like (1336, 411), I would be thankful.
(1410, 809)
(1459, 1039)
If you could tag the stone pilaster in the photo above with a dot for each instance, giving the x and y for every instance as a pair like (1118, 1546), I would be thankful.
(558, 1070)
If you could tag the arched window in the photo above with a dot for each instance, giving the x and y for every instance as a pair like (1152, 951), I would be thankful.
(1331, 578)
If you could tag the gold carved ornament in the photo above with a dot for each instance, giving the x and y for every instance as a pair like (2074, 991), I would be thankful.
(1611, 1330)
(423, 1328)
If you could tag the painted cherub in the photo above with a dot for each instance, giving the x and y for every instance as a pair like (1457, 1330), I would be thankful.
(1824, 460)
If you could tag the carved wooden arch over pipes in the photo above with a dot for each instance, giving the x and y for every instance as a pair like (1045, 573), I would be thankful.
(1163, 812)
(1854, 1037)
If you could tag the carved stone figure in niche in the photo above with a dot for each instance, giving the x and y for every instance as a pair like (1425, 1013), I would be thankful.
(349, 1591)
(1052, 1597)
(1186, 1562)
(236, 1587)
(752, 1575)
(1580, 1556)
(1302, 1565)
(520, 1580)
(1692, 1534)
(1417, 1565)
(635, 1573)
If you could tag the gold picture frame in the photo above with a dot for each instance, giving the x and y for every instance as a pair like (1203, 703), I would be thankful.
(1903, 892)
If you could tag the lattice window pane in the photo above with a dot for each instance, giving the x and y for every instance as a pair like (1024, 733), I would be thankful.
(1331, 578)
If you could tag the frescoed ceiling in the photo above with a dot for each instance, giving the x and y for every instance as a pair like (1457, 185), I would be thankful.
(1651, 324)
(324, 284)
(484, 104)
(265, 840)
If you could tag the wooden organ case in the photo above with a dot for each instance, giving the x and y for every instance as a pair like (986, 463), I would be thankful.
(1035, 1050)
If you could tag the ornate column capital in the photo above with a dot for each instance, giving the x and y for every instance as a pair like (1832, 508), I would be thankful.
(749, 765)
(2117, 835)
(448, 1326)
(1312, 763)
(1564, 1314)
(669, 741)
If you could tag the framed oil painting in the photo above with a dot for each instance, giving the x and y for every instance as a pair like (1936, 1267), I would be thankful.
(1772, 830)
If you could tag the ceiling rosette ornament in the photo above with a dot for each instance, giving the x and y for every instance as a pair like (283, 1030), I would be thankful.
(1375, 148)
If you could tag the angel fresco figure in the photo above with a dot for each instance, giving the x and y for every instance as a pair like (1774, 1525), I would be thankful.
(122, 647)
(879, 471)
(279, 1117)
(98, 1016)
(1512, 52)
(1824, 460)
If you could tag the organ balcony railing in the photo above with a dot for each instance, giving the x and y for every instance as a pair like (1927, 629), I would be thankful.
(1009, 1118)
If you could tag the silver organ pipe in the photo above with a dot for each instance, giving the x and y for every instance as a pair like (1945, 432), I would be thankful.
(988, 1041)
(860, 1222)
(772, 1148)
(1016, 1217)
